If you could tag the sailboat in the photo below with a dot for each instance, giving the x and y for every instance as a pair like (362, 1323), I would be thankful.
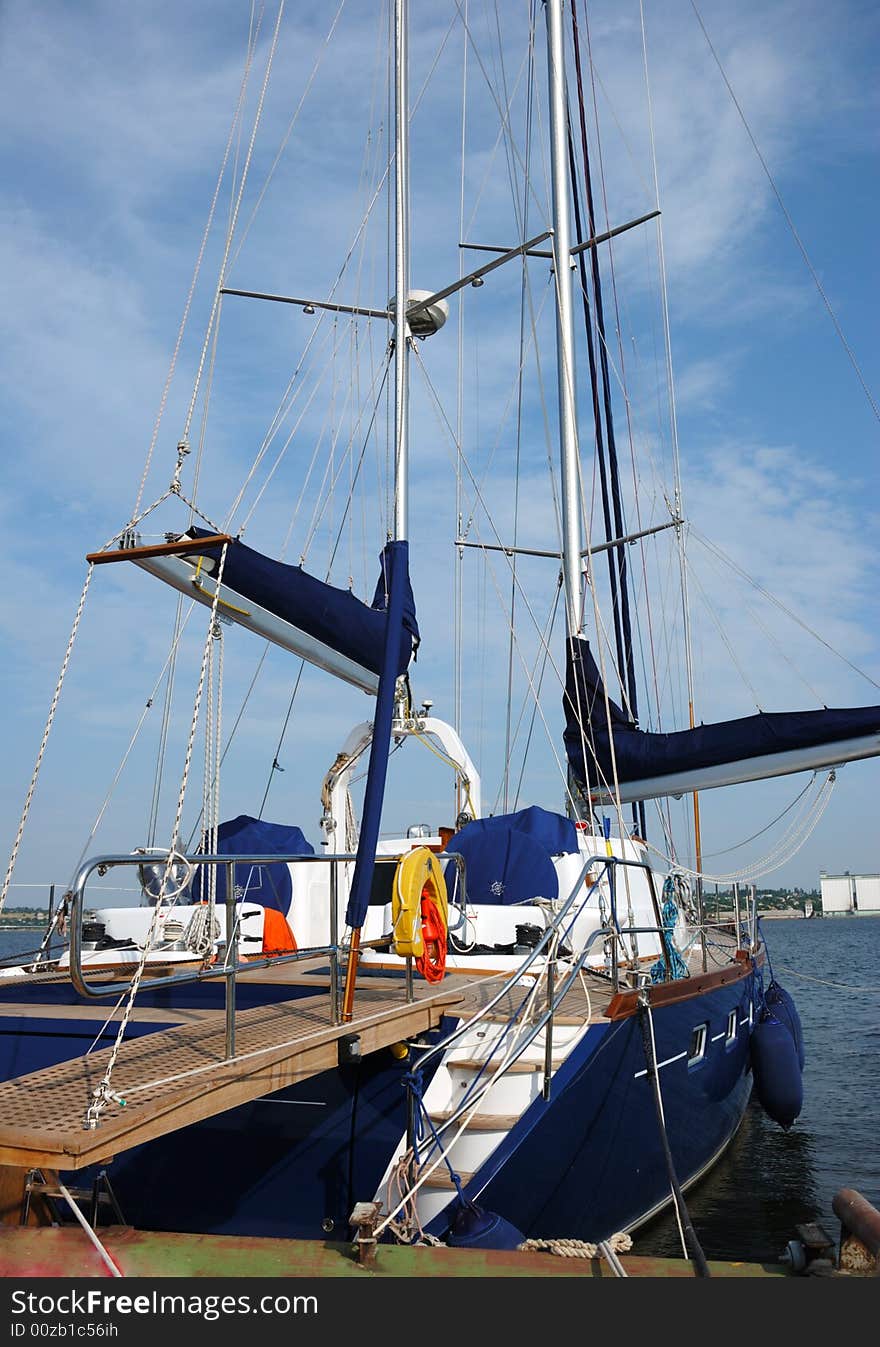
(514, 1024)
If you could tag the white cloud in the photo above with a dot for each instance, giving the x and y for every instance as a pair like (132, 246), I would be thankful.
(117, 117)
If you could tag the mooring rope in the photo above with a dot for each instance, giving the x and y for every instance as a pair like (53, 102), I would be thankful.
(577, 1248)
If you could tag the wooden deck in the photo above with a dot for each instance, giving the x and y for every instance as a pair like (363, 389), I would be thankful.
(178, 1076)
(173, 1077)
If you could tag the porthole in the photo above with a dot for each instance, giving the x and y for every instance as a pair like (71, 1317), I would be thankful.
(731, 1029)
(697, 1048)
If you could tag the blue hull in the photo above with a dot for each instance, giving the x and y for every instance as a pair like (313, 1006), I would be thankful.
(589, 1161)
(584, 1164)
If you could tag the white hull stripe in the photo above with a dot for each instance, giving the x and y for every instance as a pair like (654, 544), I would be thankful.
(660, 1065)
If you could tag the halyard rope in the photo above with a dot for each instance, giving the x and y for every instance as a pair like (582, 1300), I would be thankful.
(103, 1094)
(52, 709)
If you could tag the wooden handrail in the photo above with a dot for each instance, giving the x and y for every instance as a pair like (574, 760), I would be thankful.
(160, 549)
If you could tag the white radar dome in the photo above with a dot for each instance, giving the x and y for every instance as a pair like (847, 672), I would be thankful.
(426, 321)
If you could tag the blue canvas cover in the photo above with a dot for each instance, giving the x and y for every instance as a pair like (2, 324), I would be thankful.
(508, 857)
(333, 616)
(396, 573)
(640, 755)
(268, 885)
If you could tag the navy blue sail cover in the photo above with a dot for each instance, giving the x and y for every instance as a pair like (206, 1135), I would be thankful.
(640, 755)
(268, 885)
(508, 857)
(333, 616)
(397, 574)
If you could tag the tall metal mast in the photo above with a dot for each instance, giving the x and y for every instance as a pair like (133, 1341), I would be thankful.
(571, 531)
(401, 271)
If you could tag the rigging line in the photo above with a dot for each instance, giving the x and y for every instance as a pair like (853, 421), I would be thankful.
(280, 455)
(333, 471)
(689, 1242)
(823, 982)
(503, 114)
(553, 616)
(266, 648)
(519, 427)
(295, 118)
(787, 847)
(534, 319)
(457, 767)
(339, 535)
(713, 547)
(777, 645)
(7, 880)
(606, 390)
(275, 765)
(458, 579)
(444, 422)
(359, 465)
(162, 747)
(618, 567)
(489, 571)
(196, 273)
(737, 845)
(206, 403)
(719, 626)
(288, 133)
(539, 668)
(267, 645)
(673, 426)
(498, 52)
(213, 317)
(102, 1094)
(789, 221)
(285, 407)
(169, 663)
(371, 165)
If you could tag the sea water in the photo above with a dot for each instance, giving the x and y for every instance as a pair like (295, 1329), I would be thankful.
(769, 1181)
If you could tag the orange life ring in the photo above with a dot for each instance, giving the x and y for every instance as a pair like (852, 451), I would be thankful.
(432, 964)
(419, 910)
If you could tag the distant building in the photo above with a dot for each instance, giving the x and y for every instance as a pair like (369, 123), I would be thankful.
(850, 894)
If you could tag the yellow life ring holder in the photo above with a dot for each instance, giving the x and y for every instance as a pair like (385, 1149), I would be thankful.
(419, 875)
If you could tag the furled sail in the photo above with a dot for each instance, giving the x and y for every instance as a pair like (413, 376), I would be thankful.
(327, 626)
(647, 764)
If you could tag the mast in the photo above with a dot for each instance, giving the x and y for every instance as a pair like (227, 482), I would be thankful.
(401, 272)
(571, 533)
(397, 551)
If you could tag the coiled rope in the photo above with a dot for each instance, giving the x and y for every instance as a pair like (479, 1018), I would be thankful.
(577, 1248)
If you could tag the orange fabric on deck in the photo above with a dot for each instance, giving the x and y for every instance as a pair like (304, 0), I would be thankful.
(277, 935)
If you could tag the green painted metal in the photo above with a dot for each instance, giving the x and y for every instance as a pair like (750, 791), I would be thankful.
(66, 1252)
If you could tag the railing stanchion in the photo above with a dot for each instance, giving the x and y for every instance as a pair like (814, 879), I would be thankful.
(334, 942)
(548, 1031)
(615, 928)
(231, 959)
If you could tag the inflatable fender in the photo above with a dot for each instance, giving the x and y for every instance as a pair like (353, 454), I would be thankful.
(475, 1228)
(781, 1006)
(778, 1082)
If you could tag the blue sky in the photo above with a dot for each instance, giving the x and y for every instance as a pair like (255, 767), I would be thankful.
(116, 121)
